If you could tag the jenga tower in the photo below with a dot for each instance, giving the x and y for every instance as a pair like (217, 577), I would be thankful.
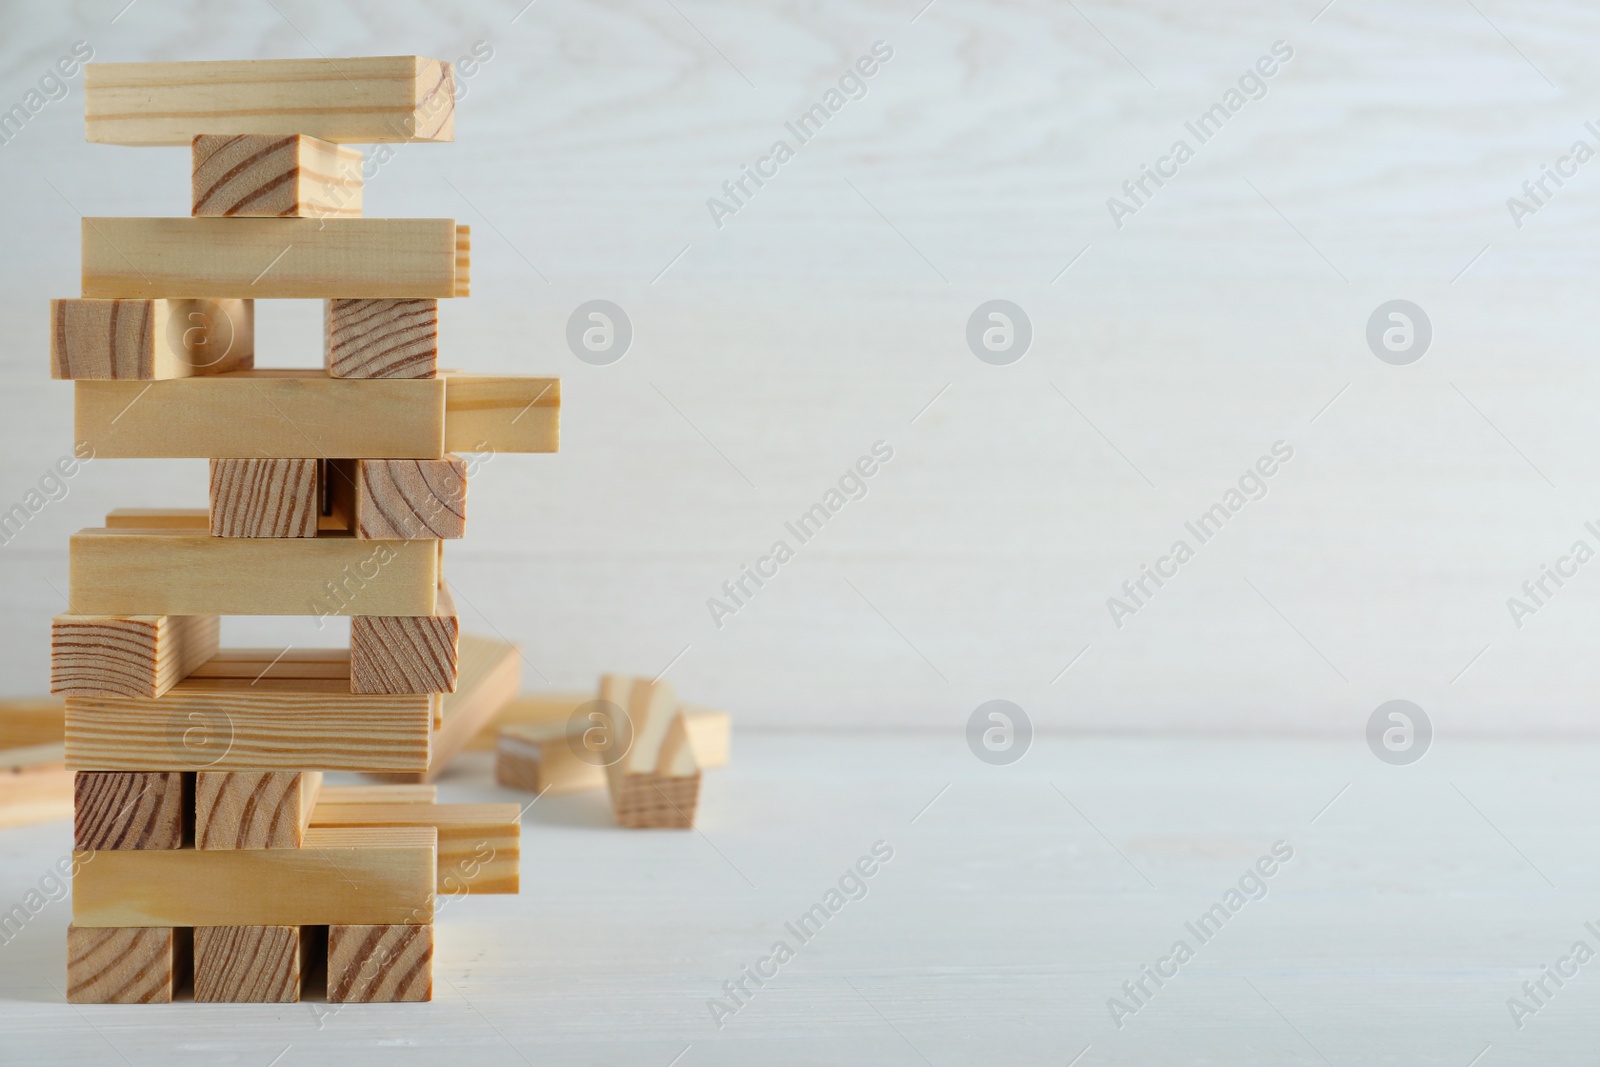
(204, 836)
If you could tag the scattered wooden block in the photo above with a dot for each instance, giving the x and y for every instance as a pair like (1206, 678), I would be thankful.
(490, 674)
(265, 498)
(656, 802)
(128, 655)
(656, 785)
(541, 708)
(254, 809)
(270, 258)
(710, 735)
(364, 100)
(146, 340)
(406, 653)
(479, 844)
(187, 572)
(381, 338)
(132, 810)
(380, 964)
(407, 499)
(35, 785)
(249, 964)
(499, 414)
(338, 875)
(127, 965)
(271, 176)
(545, 758)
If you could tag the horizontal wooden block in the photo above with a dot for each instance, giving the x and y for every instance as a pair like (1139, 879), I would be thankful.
(545, 758)
(322, 258)
(127, 965)
(128, 655)
(381, 338)
(254, 809)
(265, 497)
(380, 964)
(147, 340)
(132, 810)
(184, 572)
(490, 674)
(479, 844)
(406, 499)
(280, 414)
(406, 653)
(362, 100)
(339, 875)
(249, 964)
(158, 519)
(26, 721)
(501, 414)
(35, 785)
(271, 176)
(378, 794)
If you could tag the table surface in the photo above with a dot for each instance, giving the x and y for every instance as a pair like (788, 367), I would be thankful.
(1017, 902)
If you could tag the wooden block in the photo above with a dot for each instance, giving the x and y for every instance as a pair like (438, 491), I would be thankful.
(545, 758)
(26, 721)
(254, 809)
(710, 733)
(274, 414)
(256, 664)
(322, 258)
(405, 499)
(158, 519)
(184, 572)
(224, 724)
(406, 653)
(146, 340)
(490, 674)
(35, 785)
(381, 338)
(127, 965)
(265, 498)
(378, 794)
(380, 964)
(249, 964)
(132, 810)
(657, 802)
(479, 844)
(128, 655)
(463, 260)
(499, 414)
(339, 875)
(656, 785)
(539, 708)
(271, 176)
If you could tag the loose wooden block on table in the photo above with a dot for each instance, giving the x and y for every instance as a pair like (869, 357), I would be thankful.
(545, 758)
(405, 499)
(129, 965)
(490, 674)
(540, 708)
(35, 784)
(380, 964)
(254, 809)
(265, 497)
(132, 810)
(407, 653)
(657, 783)
(148, 340)
(128, 655)
(339, 875)
(486, 413)
(271, 176)
(272, 258)
(479, 844)
(187, 572)
(250, 964)
(381, 338)
(363, 100)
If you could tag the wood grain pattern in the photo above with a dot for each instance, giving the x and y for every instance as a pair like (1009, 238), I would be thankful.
(406, 499)
(270, 258)
(128, 965)
(128, 655)
(281, 414)
(656, 801)
(381, 338)
(158, 519)
(378, 794)
(407, 653)
(363, 100)
(249, 964)
(147, 340)
(545, 758)
(486, 413)
(265, 497)
(267, 176)
(479, 844)
(463, 260)
(490, 674)
(186, 572)
(380, 964)
(132, 809)
(254, 809)
(339, 875)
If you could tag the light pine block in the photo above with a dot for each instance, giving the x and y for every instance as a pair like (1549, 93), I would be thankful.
(545, 758)
(128, 965)
(268, 414)
(249, 964)
(656, 801)
(381, 338)
(479, 844)
(28, 721)
(339, 875)
(268, 176)
(35, 785)
(132, 810)
(485, 413)
(254, 809)
(378, 794)
(380, 964)
(187, 572)
(363, 100)
(656, 785)
(463, 260)
(148, 340)
(270, 258)
(490, 675)
(408, 499)
(265, 497)
(407, 653)
(128, 655)
(532, 708)
(158, 519)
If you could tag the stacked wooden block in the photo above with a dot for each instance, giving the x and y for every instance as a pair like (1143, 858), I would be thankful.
(204, 835)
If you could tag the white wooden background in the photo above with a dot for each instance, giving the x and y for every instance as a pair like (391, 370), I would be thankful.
(830, 311)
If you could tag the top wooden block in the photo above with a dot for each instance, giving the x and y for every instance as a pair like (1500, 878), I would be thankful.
(365, 100)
